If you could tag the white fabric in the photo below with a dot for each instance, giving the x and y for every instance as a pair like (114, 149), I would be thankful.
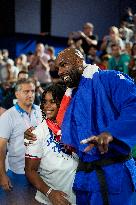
(12, 127)
(68, 92)
(90, 70)
(56, 168)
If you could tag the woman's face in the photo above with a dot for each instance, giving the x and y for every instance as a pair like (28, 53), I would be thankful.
(50, 106)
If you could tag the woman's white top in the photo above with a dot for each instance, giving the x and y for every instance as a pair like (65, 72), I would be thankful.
(57, 168)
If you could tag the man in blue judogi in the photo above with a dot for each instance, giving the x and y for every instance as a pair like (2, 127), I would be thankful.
(100, 123)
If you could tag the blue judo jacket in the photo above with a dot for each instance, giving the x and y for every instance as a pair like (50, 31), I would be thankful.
(105, 102)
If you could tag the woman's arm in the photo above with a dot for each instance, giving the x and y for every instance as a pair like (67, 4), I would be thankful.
(31, 167)
(55, 196)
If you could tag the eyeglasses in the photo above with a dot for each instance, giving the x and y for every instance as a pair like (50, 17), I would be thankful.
(26, 92)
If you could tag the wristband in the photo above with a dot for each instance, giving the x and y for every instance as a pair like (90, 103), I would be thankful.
(48, 192)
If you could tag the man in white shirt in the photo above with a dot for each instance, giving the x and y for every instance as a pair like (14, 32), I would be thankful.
(13, 123)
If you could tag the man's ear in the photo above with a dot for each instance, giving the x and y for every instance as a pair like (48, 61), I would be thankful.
(81, 69)
(16, 94)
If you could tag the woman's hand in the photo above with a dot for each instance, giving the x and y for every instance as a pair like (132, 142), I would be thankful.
(58, 198)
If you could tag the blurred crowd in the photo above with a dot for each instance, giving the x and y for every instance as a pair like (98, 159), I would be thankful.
(39, 66)
(117, 51)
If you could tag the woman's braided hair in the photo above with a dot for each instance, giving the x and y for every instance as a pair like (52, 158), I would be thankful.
(57, 92)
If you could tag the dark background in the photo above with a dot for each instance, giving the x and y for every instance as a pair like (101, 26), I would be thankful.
(23, 23)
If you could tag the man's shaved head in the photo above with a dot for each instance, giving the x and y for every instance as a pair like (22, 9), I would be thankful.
(70, 56)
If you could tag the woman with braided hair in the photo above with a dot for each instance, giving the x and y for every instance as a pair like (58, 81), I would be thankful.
(56, 163)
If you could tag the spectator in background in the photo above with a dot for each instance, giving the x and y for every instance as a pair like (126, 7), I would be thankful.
(30, 56)
(51, 52)
(87, 37)
(134, 23)
(1, 56)
(39, 68)
(9, 72)
(118, 61)
(134, 29)
(21, 62)
(112, 38)
(23, 75)
(10, 99)
(5, 89)
(75, 43)
(128, 16)
(12, 71)
(132, 64)
(134, 38)
(103, 65)
(2, 63)
(38, 92)
(1, 59)
(125, 33)
(128, 48)
(92, 57)
(78, 45)
(53, 72)
(5, 54)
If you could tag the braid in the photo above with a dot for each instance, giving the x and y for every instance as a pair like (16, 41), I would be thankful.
(57, 92)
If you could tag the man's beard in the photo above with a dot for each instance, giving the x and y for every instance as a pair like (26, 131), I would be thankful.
(73, 78)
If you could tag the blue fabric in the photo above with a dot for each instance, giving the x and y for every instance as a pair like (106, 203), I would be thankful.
(118, 195)
(134, 199)
(22, 193)
(18, 181)
(103, 103)
(107, 102)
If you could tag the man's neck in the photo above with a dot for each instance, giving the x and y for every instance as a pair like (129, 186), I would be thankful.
(117, 56)
(25, 108)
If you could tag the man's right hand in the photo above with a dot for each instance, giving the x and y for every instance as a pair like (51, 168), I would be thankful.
(28, 135)
(5, 182)
(58, 198)
(101, 141)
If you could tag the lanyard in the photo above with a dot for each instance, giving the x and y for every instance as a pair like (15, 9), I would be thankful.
(26, 121)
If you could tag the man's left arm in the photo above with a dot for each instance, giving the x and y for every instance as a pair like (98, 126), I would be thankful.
(121, 132)
(88, 40)
(123, 96)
